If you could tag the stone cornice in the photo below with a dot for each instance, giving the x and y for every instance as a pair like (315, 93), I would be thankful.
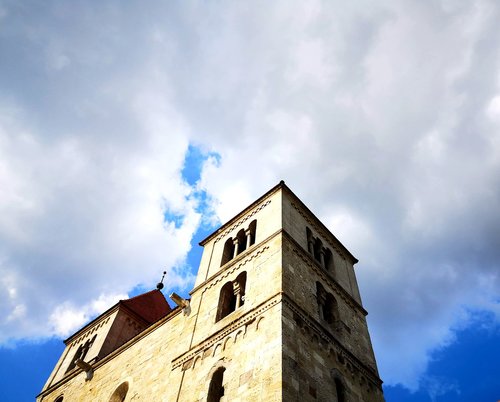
(219, 336)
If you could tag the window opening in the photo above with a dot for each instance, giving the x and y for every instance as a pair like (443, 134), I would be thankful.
(227, 301)
(77, 356)
(327, 305)
(81, 352)
(232, 296)
(228, 252)
(120, 393)
(310, 241)
(239, 288)
(318, 251)
(241, 241)
(216, 388)
(252, 228)
(322, 255)
(339, 387)
(329, 260)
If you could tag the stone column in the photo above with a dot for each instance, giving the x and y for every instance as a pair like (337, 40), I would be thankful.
(248, 233)
(235, 242)
(237, 293)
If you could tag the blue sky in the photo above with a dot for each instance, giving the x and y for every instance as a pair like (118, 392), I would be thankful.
(129, 131)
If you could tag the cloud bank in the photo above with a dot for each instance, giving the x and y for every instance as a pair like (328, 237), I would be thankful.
(384, 118)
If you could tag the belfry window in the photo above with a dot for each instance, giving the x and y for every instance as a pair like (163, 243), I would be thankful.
(216, 388)
(228, 252)
(340, 389)
(77, 356)
(81, 352)
(251, 235)
(310, 241)
(327, 305)
(232, 296)
(318, 251)
(322, 255)
(243, 240)
(329, 260)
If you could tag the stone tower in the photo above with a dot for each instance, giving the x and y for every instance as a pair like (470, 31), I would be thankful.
(275, 315)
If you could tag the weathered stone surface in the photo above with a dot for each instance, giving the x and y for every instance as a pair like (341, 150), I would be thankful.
(277, 346)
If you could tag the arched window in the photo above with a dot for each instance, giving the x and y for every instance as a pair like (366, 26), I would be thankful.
(228, 252)
(77, 356)
(242, 241)
(318, 250)
(239, 285)
(253, 230)
(231, 297)
(327, 305)
(329, 261)
(330, 309)
(81, 352)
(310, 241)
(120, 393)
(227, 301)
(59, 399)
(340, 390)
(216, 388)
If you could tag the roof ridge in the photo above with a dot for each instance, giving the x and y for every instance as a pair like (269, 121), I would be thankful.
(142, 294)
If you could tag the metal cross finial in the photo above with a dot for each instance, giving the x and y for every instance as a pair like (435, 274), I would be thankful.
(159, 285)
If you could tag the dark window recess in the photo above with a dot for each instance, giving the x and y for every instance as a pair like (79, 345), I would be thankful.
(216, 389)
(235, 246)
(312, 391)
(232, 296)
(81, 352)
(310, 241)
(327, 305)
(322, 255)
(228, 252)
(339, 387)
(252, 228)
(241, 241)
(328, 260)
(318, 250)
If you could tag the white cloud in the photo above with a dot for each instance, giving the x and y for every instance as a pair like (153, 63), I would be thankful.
(67, 318)
(381, 117)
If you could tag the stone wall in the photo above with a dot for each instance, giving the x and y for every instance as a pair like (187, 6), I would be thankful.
(274, 346)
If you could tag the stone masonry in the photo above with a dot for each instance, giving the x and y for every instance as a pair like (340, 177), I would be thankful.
(275, 315)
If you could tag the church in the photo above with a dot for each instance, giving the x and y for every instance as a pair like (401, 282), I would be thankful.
(275, 315)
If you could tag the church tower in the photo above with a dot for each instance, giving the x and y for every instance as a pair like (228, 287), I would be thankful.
(275, 315)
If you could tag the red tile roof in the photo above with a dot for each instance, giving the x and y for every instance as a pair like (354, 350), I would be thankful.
(151, 306)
